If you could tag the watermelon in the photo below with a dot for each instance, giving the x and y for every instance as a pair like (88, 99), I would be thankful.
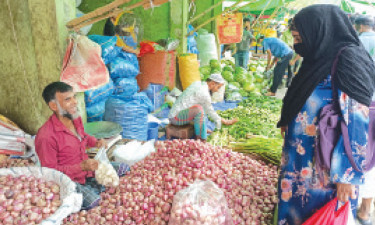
(215, 64)
(228, 76)
(228, 68)
(205, 70)
(248, 86)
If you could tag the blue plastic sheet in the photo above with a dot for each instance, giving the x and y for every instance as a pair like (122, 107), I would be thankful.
(126, 86)
(107, 43)
(99, 94)
(191, 42)
(95, 112)
(122, 68)
(131, 113)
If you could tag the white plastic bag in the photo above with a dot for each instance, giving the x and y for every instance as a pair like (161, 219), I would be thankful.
(202, 203)
(71, 200)
(133, 152)
(105, 174)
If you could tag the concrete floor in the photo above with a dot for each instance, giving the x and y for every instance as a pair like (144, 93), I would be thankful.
(280, 94)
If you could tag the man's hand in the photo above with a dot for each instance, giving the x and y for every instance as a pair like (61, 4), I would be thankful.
(89, 165)
(101, 143)
(229, 122)
(345, 191)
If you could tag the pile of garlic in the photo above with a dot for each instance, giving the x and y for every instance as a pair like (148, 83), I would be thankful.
(106, 175)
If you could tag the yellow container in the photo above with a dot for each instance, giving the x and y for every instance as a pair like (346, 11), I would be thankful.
(189, 69)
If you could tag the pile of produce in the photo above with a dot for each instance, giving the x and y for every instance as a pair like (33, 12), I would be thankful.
(145, 194)
(268, 148)
(11, 162)
(26, 200)
(258, 115)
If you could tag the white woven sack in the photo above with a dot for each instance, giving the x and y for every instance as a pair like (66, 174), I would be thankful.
(71, 200)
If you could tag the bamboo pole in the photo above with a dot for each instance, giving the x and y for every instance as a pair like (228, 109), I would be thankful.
(261, 14)
(271, 17)
(213, 18)
(204, 12)
(98, 12)
(97, 19)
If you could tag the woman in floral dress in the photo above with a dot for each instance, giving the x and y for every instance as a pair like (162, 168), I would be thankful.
(320, 32)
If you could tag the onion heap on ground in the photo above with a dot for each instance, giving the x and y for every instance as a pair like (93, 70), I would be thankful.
(26, 200)
(145, 194)
(11, 162)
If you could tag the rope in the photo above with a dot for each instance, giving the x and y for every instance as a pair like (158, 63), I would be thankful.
(22, 64)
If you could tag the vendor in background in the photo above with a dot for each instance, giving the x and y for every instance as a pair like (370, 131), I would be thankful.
(287, 37)
(229, 47)
(61, 143)
(242, 55)
(194, 104)
(364, 25)
(281, 54)
(111, 30)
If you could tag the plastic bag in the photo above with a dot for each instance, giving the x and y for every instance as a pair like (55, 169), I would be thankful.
(233, 97)
(83, 68)
(122, 68)
(129, 57)
(96, 111)
(99, 94)
(329, 216)
(71, 200)
(126, 86)
(107, 43)
(105, 174)
(203, 202)
(206, 45)
(189, 70)
(133, 152)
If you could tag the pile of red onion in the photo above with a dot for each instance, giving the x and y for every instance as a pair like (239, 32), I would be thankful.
(27, 200)
(145, 194)
(9, 162)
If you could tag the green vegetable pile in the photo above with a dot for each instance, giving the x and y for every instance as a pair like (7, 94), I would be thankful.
(258, 116)
(268, 148)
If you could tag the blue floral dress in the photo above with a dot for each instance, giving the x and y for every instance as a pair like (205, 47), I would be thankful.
(301, 189)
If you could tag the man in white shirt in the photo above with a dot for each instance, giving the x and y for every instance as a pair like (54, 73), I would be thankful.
(195, 103)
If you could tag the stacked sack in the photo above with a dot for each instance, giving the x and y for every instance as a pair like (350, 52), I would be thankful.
(124, 105)
(131, 113)
(95, 101)
(123, 68)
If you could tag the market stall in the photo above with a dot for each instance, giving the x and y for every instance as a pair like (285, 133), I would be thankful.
(128, 83)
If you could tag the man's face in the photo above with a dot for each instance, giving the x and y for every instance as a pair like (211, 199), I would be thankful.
(66, 105)
(247, 25)
(215, 87)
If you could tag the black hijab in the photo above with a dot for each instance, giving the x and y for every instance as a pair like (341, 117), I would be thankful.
(324, 30)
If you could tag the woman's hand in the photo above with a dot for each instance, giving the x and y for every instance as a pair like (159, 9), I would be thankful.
(345, 191)
(101, 143)
(283, 130)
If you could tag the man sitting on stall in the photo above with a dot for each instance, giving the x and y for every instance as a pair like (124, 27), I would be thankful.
(61, 143)
(195, 103)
